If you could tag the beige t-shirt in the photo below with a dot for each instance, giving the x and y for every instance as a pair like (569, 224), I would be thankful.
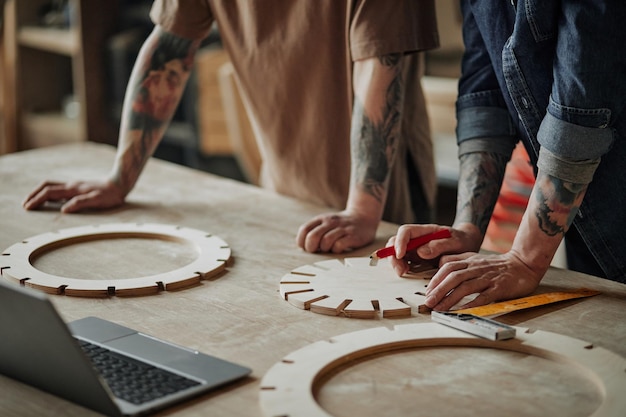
(293, 60)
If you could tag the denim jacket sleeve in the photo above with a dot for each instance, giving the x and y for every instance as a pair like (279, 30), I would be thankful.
(483, 121)
(588, 91)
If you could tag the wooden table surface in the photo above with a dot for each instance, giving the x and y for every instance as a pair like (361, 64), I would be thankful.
(240, 316)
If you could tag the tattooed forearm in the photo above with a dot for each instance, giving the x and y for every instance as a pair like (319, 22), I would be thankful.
(161, 85)
(156, 86)
(557, 203)
(375, 130)
(369, 156)
(479, 185)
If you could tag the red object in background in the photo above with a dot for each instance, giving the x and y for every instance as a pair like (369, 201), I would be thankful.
(507, 214)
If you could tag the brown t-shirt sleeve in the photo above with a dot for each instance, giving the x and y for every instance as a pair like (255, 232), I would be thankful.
(381, 27)
(191, 19)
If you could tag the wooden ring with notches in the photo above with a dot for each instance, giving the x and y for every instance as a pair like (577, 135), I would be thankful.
(213, 255)
(288, 388)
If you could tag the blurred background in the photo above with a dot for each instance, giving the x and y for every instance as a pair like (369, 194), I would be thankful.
(66, 63)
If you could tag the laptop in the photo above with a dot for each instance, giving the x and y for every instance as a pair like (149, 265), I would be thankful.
(39, 349)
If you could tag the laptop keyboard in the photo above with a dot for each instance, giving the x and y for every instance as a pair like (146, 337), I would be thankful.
(132, 380)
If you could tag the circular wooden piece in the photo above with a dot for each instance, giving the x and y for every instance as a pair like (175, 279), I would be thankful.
(288, 388)
(355, 289)
(212, 255)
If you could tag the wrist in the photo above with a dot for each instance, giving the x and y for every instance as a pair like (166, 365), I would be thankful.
(365, 206)
(472, 234)
(537, 265)
(115, 185)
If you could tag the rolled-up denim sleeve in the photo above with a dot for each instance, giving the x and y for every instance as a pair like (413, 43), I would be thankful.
(579, 172)
(569, 151)
(483, 121)
(485, 129)
(587, 101)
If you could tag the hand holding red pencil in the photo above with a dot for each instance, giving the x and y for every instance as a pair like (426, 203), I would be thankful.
(413, 244)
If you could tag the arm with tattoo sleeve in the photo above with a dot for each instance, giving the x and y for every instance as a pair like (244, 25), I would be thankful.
(378, 96)
(154, 91)
(480, 180)
(551, 209)
(156, 85)
(375, 132)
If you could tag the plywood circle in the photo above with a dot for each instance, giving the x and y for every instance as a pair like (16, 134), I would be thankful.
(353, 288)
(212, 254)
(288, 388)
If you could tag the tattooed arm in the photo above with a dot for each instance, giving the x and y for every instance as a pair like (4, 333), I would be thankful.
(480, 179)
(378, 96)
(551, 209)
(153, 93)
(155, 88)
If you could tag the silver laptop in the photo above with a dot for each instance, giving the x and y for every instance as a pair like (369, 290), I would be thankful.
(38, 348)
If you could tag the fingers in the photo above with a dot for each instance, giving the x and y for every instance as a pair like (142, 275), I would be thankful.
(76, 196)
(321, 234)
(311, 233)
(37, 190)
(407, 232)
(491, 277)
(429, 250)
(456, 257)
(332, 241)
(481, 286)
(47, 191)
(486, 297)
(459, 278)
(400, 242)
(400, 266)
(93, 199)
(304, 230)
(449, 276)
(328, 236)
(336, 233)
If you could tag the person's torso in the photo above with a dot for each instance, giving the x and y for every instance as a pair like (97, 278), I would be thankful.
(523, 51)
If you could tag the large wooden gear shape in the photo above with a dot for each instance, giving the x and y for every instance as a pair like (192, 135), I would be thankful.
(355, 289)
(288, 388)
(212, 256)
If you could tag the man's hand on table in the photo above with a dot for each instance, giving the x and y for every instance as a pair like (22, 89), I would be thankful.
(337, 232)
(462, 271)
(493, 277)
(75, 196)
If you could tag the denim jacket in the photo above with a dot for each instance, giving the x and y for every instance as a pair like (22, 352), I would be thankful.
(553, 74)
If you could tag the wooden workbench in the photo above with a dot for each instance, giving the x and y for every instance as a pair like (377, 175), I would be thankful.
(240, 316)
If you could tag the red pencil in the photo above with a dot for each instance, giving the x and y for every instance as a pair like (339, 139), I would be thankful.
(413, 244)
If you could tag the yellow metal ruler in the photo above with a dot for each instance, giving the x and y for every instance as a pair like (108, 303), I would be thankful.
(504, 307)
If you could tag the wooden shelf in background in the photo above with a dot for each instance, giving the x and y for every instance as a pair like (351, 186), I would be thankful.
(44, 66)
(60, 41)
